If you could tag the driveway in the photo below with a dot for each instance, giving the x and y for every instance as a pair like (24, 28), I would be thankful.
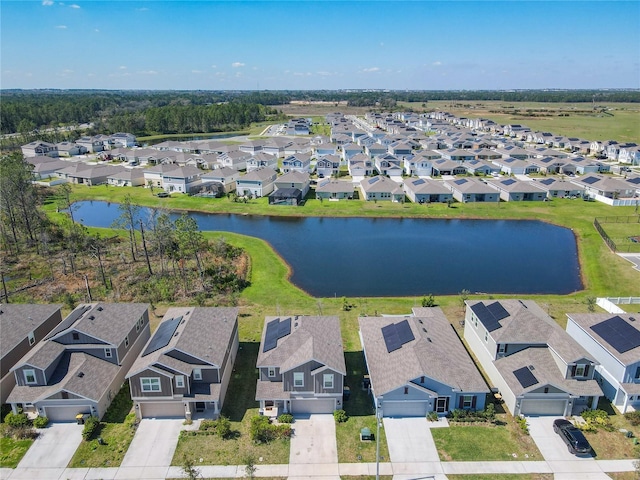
(549, 442)
(54, 447)
(154, 443)
(314, 440)
(410, 440)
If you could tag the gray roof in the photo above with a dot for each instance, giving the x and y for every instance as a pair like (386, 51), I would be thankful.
(426, 186)
(380, 184)
(266, 390)
(294, 177)
(262, 174)
(16, 321)
(546, 371)
(588, 320)
(311, 338)
(334, 186)
(437, 353)
(469, 185)
(204, 333)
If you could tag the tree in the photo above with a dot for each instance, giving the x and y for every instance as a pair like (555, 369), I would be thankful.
(428, 301)
(189, 469)
(464, 296)
(189, 239)
(591, 303)
(128, 220)
(250, 467)
(162, 238)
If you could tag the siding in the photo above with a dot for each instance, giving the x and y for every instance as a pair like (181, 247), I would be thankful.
(136, 387)
(308, 380)
(19, 375)
(83, 339)
(338, 381)
(264, 375)
(133, 338)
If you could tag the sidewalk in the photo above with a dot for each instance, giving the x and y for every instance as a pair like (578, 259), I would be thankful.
(438, 470)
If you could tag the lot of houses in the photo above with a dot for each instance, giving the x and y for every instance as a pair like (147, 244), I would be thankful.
(382, 157)
(416, 363)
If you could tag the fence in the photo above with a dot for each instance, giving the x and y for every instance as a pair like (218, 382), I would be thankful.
(597, 222)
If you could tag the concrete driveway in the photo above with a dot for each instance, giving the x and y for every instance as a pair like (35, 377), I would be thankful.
(54, 447)
(549, 442)
(154, 443)
(314, 440)
(410, 440)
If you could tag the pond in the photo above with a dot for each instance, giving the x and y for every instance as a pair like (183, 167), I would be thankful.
(378, 257)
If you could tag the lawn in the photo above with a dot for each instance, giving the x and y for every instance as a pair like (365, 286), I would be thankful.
(474, 443)
(613, 445)
(116, 430)
(12, 451)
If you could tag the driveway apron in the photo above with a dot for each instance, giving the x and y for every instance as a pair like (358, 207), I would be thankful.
(410, 440)
(314, 440)
(154, 443)
(549, 442)
(54, 447)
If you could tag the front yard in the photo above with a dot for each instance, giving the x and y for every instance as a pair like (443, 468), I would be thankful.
(12, 451)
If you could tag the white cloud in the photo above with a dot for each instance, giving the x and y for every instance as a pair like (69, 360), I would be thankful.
(302, 74)
(74, 6)
(325, 74)
(237, 64)
(47, 3)
(96, 30)
(142, 9)
(437, 63)
(61, 27)
(196, 71)
(214, 66)
(148, 72)
(122, 67)
(372, 69)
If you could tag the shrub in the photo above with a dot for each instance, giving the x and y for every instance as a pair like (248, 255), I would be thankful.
(91, 425)
(633, 417)
(597, 419)
(340, 416)
(223, 427)
(490, 412)
(40, 422)
(522, 423)
(206, 425)
(17, 420)
(285, 418)
(432, 416)
(262, 431)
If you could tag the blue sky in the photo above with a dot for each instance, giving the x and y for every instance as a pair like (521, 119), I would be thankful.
(209, 45)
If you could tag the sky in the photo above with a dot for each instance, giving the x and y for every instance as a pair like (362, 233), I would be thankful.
(311, 45)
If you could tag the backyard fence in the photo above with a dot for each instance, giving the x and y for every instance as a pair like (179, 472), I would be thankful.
(616, 247)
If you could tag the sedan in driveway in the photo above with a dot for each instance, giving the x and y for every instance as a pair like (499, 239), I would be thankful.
(572, 436)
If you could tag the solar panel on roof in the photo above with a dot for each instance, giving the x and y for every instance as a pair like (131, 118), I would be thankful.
(618, 333)
(284, 328)
(163, 335)
(498, 311)
(419, 182)
(509, 181)
(461, 181)
(547, 181)
(590, 180)
(70, 320)
(271, 335)
(485, 316)
(391, 339)
(635, 181)
(525, 377)
(404, 332)
(373, 180)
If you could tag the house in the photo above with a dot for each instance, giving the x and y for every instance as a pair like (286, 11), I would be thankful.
(325, 148)
(360, 166)
(300, 162)
(262, 159)
(37, 148)
(45, 167)
(185, 367)
(603, 187)
(614, 341)
(513, 190)
(181, 179)
(515, 166)
(251, 146)
(153, 175)
(225, 176)
(419, 165)
(467, 190)
(381, 188)
(332, 189)
(286, 196)
(276, 146)
(257, 183)
(422, 190)
(130, 177)
(70, 149)
(388, 165)
(536, 366)
(81, 364)
(298, 126)
(351, 150)
(123, 139)
(328, 166)
(294, 179)
(417, 365)
(301, 367)
(559, 188)
(448, 167)
(480, 167)
(86, 174)
(234, 159)
(22, 326)
(91, 144)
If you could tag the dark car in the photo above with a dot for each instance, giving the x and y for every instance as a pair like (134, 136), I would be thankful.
(572, 436)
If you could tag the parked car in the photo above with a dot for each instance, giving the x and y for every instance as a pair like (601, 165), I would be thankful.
(572, 436)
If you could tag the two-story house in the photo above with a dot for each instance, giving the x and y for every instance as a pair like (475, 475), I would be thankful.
(258, 183)
(22, 327)
(417, 364)
(299, 162)
(185, 367)
(81, 364)
(301, 365)
(294, 179)
(614, 340)
(535, 365)
(37, 148)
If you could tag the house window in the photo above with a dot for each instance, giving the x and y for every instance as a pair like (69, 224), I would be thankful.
(75, 336)
(30, 377)
(501, 348)
(467, 401)
(271, 372)
(581, 371)
(486, 336)
(107, 353)
(406, 390)
(32, 338)
(126, 341)
(327, 380)
(139, 324)
(637, 377)
(150, 384)
(298, 379)
(421, 379)
(179, 381)
(197, 374)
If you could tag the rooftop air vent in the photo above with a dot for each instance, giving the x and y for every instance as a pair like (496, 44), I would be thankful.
(80, 374)
(531, 367)
(92, 317)
(631, 319)
(99, 309)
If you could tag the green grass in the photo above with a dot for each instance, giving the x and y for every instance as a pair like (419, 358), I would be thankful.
(12, 451)
(116, 429)
(351, 449)
(187, 136)
(473, 443)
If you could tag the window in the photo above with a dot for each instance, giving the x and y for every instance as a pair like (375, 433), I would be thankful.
(298, 379)
(486, 336)
(327, 380)
(30, 377)
(271, 372)
(150, 384)
(501, 348)
(32, 338)
(637, 377)
(139, 324)
(179, 381)
(197, 374)
(126, 341)
(75, 336)
(467, 401)
(107, 353)
(579, 371)
(421, 379)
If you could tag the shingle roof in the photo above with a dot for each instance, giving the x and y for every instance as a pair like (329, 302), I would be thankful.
(436, 353)
(16, 321)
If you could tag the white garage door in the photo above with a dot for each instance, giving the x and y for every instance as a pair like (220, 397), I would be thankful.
(162, 410)
(404, 409)
(313, 405)
(543, 407)
(66, 413)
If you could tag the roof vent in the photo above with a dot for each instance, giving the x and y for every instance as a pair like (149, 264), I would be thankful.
(176, 334)
(424, 330)
(80, 374)
(429, 338)
(531, 367)
(420, 321)
(92, 317)
(99, 309)
(631, 319)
